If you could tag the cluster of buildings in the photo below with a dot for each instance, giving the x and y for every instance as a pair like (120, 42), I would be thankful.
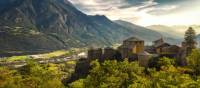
(134, 49)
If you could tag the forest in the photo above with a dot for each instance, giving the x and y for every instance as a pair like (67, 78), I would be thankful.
(109, 74)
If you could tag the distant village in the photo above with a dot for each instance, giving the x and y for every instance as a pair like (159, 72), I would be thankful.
(134, 49)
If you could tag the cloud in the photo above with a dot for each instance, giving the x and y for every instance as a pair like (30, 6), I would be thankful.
(106, 5)
(142, 12)
(163, 10)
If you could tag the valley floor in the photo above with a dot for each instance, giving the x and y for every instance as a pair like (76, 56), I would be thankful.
(60, 56)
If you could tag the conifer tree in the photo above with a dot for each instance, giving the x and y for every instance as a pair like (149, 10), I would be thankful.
(190, 40)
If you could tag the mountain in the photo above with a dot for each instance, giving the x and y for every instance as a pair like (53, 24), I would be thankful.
(31, 25)
(141, 32)
(177, 31)
(166, 31)
(150, 34)
(183, 28)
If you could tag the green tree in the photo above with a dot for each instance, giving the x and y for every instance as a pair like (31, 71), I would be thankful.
(78, 84)
(190, 36)
(169, 79)
(41, 76)
(194, 61)
(32, 75)
(9, 78)
(166, 61)
(113, 74)
(158, 63)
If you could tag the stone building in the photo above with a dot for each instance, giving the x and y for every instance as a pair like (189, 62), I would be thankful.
(131, 47)
(94, 54)
(150, 49)
(183, 53)
(159, 48)
(181, 57)
(158, 42)
(143, 58)
(173, 49)
(159, 45)
(109, 53)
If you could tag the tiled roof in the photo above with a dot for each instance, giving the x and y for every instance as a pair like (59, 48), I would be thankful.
(162, 44)
(133, 39)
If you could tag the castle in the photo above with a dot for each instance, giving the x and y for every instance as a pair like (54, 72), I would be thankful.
(134, 49)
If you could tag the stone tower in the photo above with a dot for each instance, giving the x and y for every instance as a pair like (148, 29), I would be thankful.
(132, 46)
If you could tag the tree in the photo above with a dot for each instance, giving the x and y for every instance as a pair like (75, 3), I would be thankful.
(194, 61)
(9, 78)
(168, 79)
(113, 74)
(159, 63)
(190, 40)
(40, 76)
(165, 63)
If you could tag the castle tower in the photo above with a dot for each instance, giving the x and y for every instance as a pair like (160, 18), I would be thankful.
(132, 46)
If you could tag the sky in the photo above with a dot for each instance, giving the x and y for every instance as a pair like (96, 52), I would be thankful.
(144, 12)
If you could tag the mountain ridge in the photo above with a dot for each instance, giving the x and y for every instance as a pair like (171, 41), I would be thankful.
(149, 34)
(56, 24)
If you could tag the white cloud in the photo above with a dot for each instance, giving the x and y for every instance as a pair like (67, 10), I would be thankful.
(143, 12)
